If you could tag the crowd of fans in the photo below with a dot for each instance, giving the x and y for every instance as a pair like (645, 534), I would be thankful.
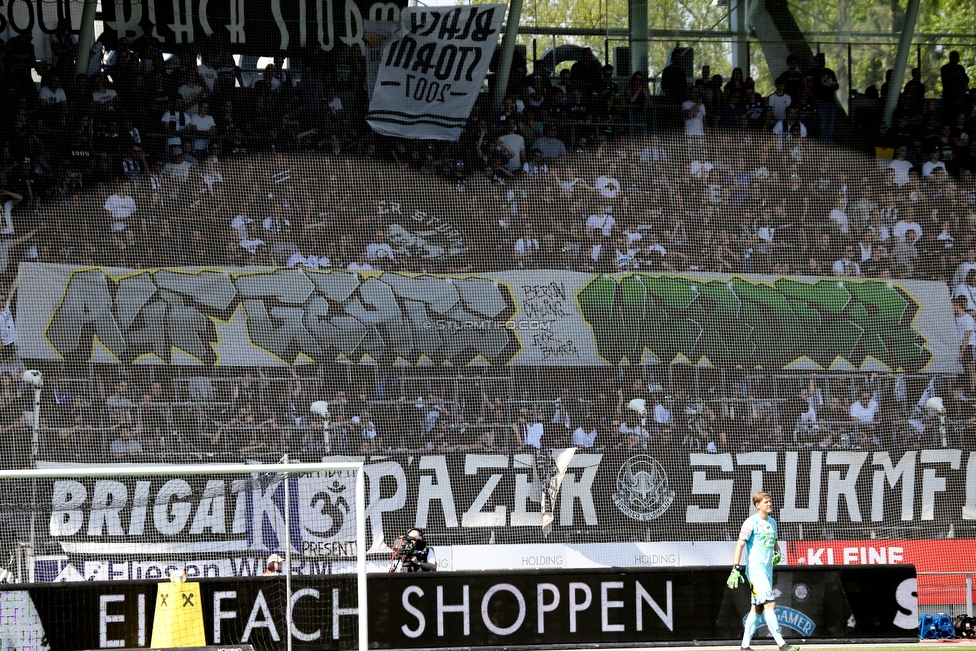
(147, 161)
(154, 159)
(262, 414)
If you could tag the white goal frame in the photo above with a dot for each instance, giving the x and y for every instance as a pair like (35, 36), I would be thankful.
(177, 470)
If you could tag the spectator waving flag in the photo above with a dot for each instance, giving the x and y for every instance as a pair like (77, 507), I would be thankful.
(432, 69)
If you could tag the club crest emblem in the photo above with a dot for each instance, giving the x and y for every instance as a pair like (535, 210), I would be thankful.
(642, 491)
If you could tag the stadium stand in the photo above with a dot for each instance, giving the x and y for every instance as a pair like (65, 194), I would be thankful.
(153, 160)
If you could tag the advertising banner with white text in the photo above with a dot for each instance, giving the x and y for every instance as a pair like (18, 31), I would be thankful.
(465, 609)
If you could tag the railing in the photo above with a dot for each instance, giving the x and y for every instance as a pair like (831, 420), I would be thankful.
(945, 592)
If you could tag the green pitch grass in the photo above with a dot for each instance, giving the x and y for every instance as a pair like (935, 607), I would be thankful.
(878, 647)
(866, 647)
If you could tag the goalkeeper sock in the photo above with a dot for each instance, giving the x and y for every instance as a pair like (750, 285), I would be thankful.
(752, 621)
(769, 614)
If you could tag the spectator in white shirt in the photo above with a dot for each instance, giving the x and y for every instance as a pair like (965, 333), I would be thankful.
(933, 163)
(190, 91)
(177, 169)
(207, 73)
(121, 205)
(202, 123)
(103, 97)
(52, 93)
(530, 432)
(663, 421)
(905, 224)
(865, 409)
(846, 266)
(839, 215)
(585, 435)
(779, 101)
(526, 247)
(863, 412)
(967, 265)
(693, 111)
(966, 331)
(513, 145)
(900, 167)
(967, 290)
(602, 223)
(563, 409)
(790, 128)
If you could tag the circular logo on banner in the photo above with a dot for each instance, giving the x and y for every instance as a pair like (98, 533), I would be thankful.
(642, 489)
(801, 592)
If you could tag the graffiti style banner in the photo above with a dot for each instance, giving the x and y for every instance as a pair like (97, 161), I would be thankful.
(433, 69)
(450, 609)
(615, 494)
(250, 26)
(271, 317)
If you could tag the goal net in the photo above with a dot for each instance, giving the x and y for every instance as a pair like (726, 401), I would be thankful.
(268, 555)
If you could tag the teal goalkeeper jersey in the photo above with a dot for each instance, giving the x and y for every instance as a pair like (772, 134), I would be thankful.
(760, 538)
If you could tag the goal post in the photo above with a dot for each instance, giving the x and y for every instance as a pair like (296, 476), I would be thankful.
(210, 516)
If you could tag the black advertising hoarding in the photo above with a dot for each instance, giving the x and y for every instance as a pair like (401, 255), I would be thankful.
(627, 606)
(95, 615)
(472, 609)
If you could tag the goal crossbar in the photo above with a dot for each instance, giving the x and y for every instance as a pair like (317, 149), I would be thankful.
(150, 470)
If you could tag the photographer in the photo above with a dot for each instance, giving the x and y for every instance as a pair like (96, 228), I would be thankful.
(413, 554)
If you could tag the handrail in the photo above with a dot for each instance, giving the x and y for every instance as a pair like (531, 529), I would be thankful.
(969, 585)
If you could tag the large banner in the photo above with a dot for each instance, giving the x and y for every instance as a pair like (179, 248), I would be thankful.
(455, 609)
(40, 19)
(633, 607)
(616, 496)
(269, 317)
(936, 558)
(260, 27)
(433, 69)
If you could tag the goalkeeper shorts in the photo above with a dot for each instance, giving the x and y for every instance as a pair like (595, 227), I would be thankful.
(761, 588)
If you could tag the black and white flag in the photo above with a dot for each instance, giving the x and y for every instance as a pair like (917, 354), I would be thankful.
(433, 68)
(547, 477)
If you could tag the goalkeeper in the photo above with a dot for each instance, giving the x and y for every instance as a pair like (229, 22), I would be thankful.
(758, 538)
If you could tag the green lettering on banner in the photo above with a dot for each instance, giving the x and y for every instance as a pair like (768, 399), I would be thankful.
(752, 324)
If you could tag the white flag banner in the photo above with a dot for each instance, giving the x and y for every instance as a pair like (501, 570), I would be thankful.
(432, 70)
(547, 476)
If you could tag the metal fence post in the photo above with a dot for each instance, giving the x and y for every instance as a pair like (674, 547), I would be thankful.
(969, 595)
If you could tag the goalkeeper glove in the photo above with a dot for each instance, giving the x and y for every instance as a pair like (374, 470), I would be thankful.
(777, 558)
(735, 578)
